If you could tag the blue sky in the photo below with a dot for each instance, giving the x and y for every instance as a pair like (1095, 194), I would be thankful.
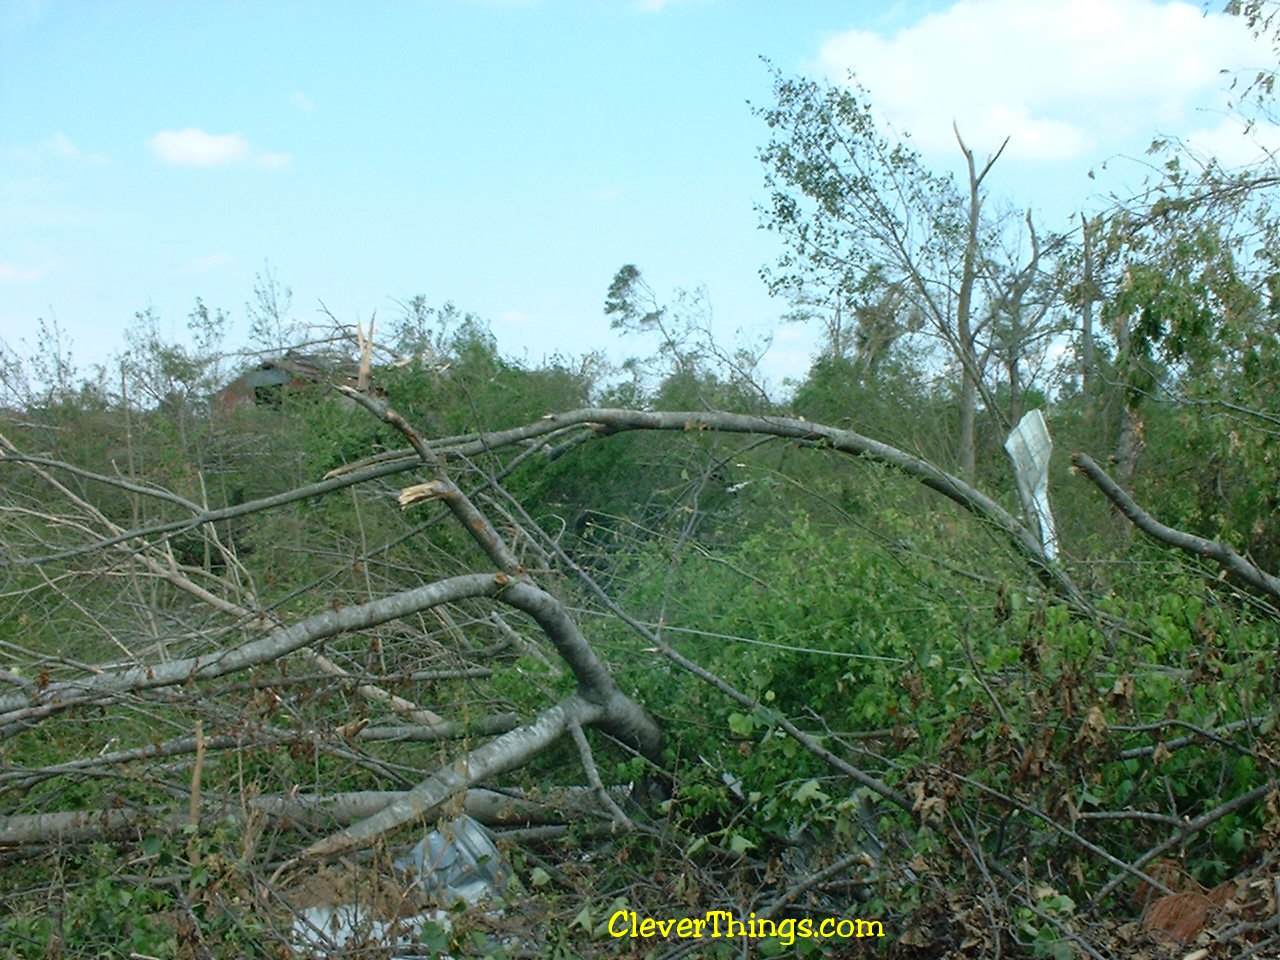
(511, 155)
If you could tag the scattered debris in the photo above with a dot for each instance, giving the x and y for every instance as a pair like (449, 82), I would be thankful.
(456, 864)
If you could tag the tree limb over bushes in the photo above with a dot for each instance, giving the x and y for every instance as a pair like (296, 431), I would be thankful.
(1215, 550)
(603, 422)
(598, 701)
(606, 421)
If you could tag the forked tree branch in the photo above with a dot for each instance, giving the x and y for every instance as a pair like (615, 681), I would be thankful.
(627, 721)
(504, 753)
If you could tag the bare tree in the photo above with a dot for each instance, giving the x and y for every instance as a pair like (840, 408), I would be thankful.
(271, 327)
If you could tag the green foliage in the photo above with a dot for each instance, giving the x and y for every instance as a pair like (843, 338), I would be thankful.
(691, 371)
(167, 897)
(460, 383)
(832, 171)
(900, 660)
(630, 303)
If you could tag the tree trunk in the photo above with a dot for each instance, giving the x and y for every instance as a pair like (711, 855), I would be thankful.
(1129, 442)
(1088, 362)
(1129, 446)
(965, 335)
(968, 453)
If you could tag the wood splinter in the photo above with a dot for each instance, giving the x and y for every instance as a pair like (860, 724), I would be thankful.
(433, 490)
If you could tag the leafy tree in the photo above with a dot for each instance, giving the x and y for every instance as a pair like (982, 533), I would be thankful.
(897, 246)
(1189, 296)
(692, 370)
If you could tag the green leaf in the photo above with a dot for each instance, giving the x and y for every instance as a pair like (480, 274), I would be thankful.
(434, 936)
(810, 790)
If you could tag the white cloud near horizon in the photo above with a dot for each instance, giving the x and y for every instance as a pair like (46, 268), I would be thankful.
(193, 147)
(1059, 77)
(56, 146)
(516, 318)
(12, 273)
(205, 264)
(1234, 144)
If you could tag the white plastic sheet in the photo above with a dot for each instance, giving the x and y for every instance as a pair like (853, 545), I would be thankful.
(457, 862)
(1029, 447)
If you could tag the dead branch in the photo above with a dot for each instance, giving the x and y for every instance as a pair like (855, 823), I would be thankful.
(277, 643)
(504, 753)
(305, 811)
(625, 719)
(25, 777)
(620, 819)
(1181, 833)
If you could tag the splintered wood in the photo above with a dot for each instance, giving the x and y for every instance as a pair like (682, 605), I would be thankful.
(432, 490)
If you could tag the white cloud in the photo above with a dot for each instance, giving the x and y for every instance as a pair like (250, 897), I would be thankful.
(11, 273)
(302, 101)
(657, 6)
(515, 318)
(1234, 144)
(205, 264)
(1060, 77)
(57, 146)
(193, 147)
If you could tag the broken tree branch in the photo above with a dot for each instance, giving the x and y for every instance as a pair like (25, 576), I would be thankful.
(1215, 550)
